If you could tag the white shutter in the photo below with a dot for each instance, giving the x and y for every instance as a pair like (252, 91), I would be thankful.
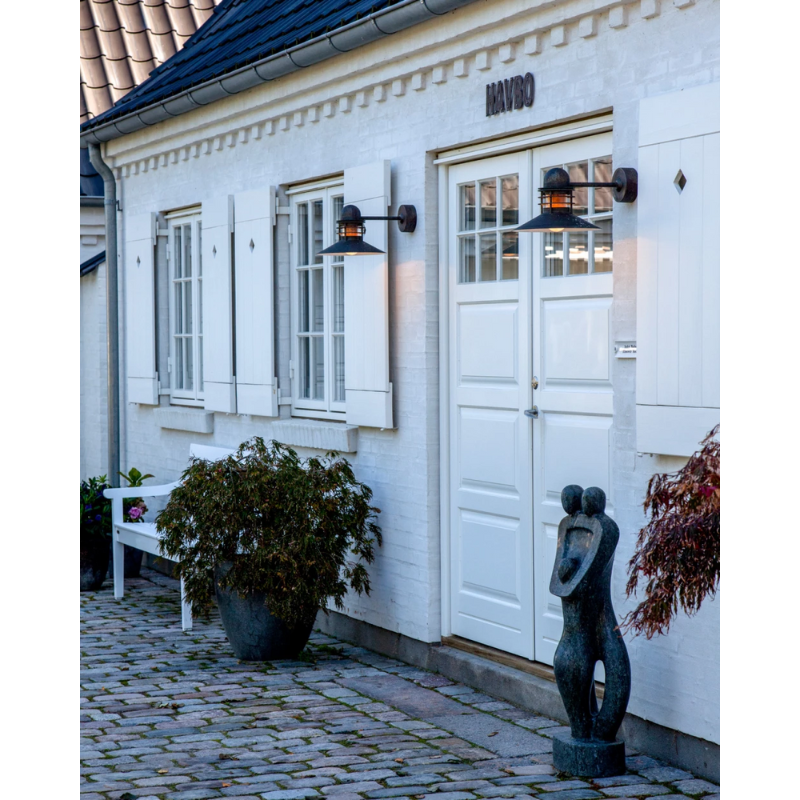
(256, 385)
(218, 387)
(677, 380)
(368, 393)
(140, 307)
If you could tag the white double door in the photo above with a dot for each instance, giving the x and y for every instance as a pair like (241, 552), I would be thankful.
(525, 311)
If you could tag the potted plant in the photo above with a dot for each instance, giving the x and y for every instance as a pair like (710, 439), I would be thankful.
(134, 510)
(274, 537)
(95, 533)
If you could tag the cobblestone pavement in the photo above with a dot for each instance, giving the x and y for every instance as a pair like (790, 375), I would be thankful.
(175, 716)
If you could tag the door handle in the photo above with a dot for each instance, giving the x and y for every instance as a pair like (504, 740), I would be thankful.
(532, 412)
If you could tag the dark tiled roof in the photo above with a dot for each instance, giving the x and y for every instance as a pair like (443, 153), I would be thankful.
(91, 264)
(91, 182)
(239, 33)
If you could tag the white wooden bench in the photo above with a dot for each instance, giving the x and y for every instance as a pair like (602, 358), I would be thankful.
(143, 535)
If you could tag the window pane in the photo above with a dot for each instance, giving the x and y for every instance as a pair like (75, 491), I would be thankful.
(200, 248)
(304, 368)
(489, 257)
(302, 301)
(178, 252)
(302, 234)
(178, 368)
(602, 174)
(200, 364)
(467, 204)
(319, 367)
(488, 203)
(578, 253)
(317, 243)
(466, 246)
(187, 251)
(553, 255)
(338, 369)
(200, 306)
(338, 299)
(178, 307)
(603, 246)
(510, 256)
(189, 361)
(187, 296)
(579, 173)
(510, 189)
(318, 307)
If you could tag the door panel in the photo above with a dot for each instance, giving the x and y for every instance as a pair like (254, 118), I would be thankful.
(572, 357)
(491, 548)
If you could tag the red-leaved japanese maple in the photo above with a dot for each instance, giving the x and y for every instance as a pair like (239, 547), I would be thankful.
(677, 552)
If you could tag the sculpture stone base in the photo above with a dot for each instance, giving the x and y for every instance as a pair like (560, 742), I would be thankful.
(588, 759)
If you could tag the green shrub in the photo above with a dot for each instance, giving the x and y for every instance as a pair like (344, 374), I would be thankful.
(297, 530)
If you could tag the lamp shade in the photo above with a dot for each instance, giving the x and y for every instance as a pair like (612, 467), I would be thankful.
(351, 236)
(557, 223)
(555, 201)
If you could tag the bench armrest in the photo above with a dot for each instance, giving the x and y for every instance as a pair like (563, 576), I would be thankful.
(141, 491)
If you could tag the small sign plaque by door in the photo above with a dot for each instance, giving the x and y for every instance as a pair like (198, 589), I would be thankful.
(510, 94)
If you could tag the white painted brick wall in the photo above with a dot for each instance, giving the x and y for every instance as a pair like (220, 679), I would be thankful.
(675, 678)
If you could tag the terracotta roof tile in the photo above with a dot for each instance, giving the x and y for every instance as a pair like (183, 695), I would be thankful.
(123, 41)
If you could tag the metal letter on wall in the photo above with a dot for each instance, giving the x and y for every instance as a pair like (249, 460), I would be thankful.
(510, 94)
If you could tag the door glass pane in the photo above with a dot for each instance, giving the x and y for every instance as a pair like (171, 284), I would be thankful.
(178, 307)
(510, 256)
(178, 252)
(488, 257)
(200, 249)
(467, 206)
(305, 368)
(302, 234)
(338, 369)
(578, 253)
(553, 254)
(317, 243)
(510, 188)
(466, 246)
(338, 205)
(302, 301)
(187, 251)
(602, 174)
(579, 173)
(318, 308)
(187, 294)
(319, 368)
(488, 191)
(338, 299)
(200, 363)
(603, 246)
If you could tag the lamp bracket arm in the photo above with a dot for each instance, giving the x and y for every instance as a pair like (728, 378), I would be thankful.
(624, 182)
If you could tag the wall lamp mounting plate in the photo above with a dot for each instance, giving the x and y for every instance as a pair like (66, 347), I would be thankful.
(351, 230)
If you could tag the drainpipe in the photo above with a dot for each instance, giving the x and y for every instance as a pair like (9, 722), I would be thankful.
(112, 315)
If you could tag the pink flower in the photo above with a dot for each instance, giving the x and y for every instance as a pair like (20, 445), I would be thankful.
(135, 512)
(706, 491)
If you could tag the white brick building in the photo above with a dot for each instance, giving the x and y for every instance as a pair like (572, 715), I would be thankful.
(444, 343)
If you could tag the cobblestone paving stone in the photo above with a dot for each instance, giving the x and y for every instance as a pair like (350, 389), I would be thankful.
(170, 715)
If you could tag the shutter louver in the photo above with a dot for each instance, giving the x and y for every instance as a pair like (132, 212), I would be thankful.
(218, 386)
(368, 392)
(140, 308)
(256, 385)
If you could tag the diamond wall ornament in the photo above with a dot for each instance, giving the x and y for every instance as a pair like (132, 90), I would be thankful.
(214, 250)
(138, 261)
(252, 245)
(680, 181)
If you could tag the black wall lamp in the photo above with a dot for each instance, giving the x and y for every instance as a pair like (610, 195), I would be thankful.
(555, 200)
(350, 228)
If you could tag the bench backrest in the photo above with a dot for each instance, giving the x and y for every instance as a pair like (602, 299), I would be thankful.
(208, 452)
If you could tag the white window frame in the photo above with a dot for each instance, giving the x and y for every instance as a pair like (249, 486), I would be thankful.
(326, 407)
(195, 395)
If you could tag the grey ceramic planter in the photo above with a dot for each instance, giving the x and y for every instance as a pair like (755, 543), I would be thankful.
(254, 633)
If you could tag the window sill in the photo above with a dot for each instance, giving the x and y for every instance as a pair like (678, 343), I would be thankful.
(177, 418)
(317, 435)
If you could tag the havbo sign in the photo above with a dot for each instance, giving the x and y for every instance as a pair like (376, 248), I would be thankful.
(510, 94)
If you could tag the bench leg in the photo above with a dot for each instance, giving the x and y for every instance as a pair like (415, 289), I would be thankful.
(118, 554)
(186, 610)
